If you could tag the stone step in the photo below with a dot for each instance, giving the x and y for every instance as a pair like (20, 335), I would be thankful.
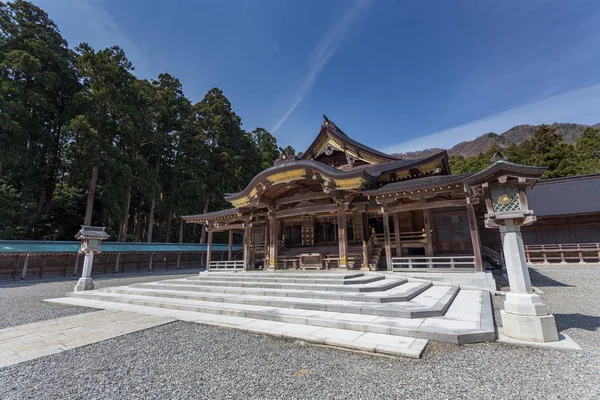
(475, 326)
(367, 285)
(348, 339)
(284, 274)
(285, 279)
(402, 292)
(432, 302)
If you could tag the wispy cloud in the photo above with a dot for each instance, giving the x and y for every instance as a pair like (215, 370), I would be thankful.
(325, 49)
(580, 106)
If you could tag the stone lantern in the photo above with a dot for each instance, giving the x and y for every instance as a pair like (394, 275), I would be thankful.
(91, 238)
(503, 186)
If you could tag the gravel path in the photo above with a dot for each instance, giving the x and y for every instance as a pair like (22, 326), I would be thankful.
(183, 360)
(21, 303)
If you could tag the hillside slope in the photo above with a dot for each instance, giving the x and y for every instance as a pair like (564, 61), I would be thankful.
(517, 134)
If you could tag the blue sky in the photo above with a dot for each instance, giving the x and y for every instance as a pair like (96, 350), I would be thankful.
(397, 75)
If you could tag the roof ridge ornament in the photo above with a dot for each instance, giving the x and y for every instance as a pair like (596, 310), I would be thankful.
(498, 156)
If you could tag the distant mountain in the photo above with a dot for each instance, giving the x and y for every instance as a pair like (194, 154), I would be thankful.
(517, 134)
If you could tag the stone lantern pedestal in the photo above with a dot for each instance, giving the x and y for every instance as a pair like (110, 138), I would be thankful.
(91, 238)
(525, 316)
(503, 186)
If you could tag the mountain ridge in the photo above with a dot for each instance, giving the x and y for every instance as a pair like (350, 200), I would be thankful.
(517, 134)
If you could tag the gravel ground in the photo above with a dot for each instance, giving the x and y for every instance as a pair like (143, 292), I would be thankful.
(183, 360)
(21, 302)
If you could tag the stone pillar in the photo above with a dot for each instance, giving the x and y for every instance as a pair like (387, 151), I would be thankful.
(86, 282)
(524, 316)
(273, 245)
(230, 248)
(342, 235)
(397, 240)
(475, 239)
(387, 242)
(428, 234)
(208, 247)
(247, 250)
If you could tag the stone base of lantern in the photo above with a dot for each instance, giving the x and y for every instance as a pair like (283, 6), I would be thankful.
(84, 284)
(534, 328)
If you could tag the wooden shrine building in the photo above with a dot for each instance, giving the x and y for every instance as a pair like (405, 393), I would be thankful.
(345, 205)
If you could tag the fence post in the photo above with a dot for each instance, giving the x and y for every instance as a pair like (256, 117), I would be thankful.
(544, 254)
(451, 262)
(562, 254)
(25, 264)
(117, 263)
(580, 255)
(76, 267)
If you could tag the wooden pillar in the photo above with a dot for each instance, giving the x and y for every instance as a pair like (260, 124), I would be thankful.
(342, 235)
(247, 250)
(397, 235)
(230, 248)
(208, 246)
(76, 266)
(428, 233)
(387, 242)
(272, 240)
(475, 238)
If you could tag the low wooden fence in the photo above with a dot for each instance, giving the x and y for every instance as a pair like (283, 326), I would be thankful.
(453, 263)
(234, 265)
(573, 253)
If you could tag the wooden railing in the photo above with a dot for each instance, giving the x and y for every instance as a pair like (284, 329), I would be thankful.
(417, 236)
(431, 263)
(235, 265)
(581, 253)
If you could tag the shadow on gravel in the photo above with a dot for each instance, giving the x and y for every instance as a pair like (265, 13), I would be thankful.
(579, 321)
(539, 279)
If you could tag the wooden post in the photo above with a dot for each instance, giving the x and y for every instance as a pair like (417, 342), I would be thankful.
(397, 235)
(178, 259)
(150, 262)
(342, 236)
(428, 235)
(208, 246)
(247, 250)
(386, 239)
(365, 254)
(230, 248)
(272, 240)
(475, 238)
(25, 264)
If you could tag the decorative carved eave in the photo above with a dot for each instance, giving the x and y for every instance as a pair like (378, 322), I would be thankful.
(332, 137)
(502, 169)
(287, 173)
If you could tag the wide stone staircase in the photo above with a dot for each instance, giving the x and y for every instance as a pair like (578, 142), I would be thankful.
(364, 311)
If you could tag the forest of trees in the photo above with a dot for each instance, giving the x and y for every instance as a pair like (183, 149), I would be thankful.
(80, 132)
(83, 140)
(545, 149)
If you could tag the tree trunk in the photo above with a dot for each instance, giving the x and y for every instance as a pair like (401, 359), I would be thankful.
(87, 220)
(123, 233)
(204, 211)
(138, 225)
(151, 219)
(169, 220)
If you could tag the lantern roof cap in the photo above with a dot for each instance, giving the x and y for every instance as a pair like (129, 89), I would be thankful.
(92, 232)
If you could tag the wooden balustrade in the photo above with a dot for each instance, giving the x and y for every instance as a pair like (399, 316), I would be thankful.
(574, 253)
(235, 265)
(429, 263)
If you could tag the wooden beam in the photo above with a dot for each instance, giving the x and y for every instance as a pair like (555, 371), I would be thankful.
(312, 209)
(386, 239)
(475, 238)
(427, 206)
(302, 197)
(397, 235)
(208, 247)
(342, 236)
(230, 247)
(226, 228)
(272, 241)
(247, 250)
(428, 233)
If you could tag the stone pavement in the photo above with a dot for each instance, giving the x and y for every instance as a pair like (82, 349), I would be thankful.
(39, 339)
